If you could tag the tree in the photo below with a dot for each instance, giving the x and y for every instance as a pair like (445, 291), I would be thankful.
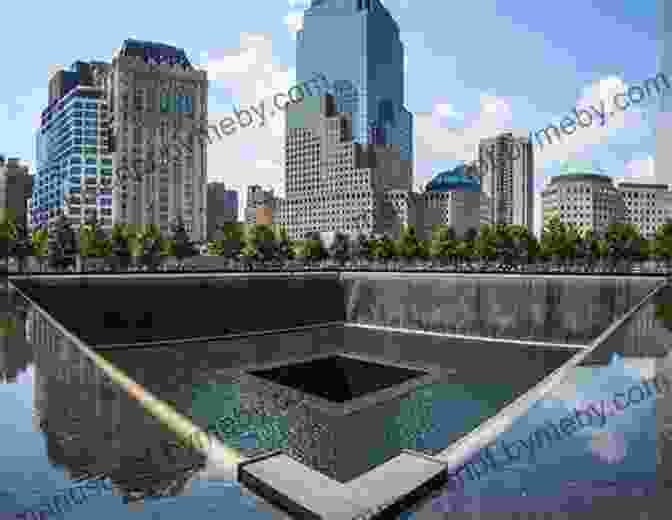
(408, 244)
(312, 249)
(8, 236)
(285, 250)
(486, 244)
(443, 243)
(119, 244)
(64, 246)
(261, 238)
(40, 245)
(623, 242)
(150, 237)
(182, 244)
(662, 244)
(229, 240)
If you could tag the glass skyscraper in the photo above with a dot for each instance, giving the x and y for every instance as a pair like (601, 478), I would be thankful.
(356, 42)
(73, 160)
(663, 117)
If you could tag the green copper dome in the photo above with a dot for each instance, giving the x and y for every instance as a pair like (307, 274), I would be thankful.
(581, 168)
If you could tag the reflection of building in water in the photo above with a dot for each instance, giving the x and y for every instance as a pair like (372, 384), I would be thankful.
(15, 352)
(94, 429)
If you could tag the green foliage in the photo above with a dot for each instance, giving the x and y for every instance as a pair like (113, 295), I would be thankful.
(260, 239)
(408, 244)
(383, 248)
(8, 234)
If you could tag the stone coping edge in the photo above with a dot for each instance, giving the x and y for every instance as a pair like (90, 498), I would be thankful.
(351, 493)
(168, 342)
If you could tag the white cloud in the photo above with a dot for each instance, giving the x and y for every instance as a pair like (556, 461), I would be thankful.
(599, 95)
(446, 110)
(436, 140)
(252, 155)
(294, 22)
(639, 170)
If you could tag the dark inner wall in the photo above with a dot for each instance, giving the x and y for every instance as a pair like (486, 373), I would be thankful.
(112, 310)
(121, 311)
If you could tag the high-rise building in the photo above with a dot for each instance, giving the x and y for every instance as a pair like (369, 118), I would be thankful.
(74, 164)
(663, 114)
(257, 198)
(367, 71)
(125, 117)
(222, 206)
(16, 186)
(157, 111)
(647, 206)
(333, 183)
(583, 196)
(507, 178)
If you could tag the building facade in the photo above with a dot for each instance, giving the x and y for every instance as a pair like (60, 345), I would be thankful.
(584, 197)
(662, 109)
(452, 198)
(258, 198)
(647, 206)
(333, 183)
(506, 166)
(222, 207)
(367, 72)
(159, 103)
(74, 164)
(16, 186)
(125, 117)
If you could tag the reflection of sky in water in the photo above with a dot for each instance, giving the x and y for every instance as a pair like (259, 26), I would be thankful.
(563, 474)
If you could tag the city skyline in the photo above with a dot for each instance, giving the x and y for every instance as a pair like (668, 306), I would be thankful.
(450, 118)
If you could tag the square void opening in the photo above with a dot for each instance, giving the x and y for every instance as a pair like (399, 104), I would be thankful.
(338, 378)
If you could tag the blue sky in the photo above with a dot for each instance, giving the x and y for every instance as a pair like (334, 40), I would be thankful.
(473, 68)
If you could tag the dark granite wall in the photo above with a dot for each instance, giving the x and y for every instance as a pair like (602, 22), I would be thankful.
(571, 310)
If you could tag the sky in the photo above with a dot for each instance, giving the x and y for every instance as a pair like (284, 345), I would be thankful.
(473, 69)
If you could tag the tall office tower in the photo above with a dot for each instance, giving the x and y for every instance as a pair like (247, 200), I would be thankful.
(138, 117)
(646, 206)
(74, 166)
(331, 182)
(663, 116)
(157, 110)
(583, 196)
(257, 198)
(507, 178)
(222, 206)
(16, 186)
(370, 57)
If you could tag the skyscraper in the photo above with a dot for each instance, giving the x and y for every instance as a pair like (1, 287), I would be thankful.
(663, 117)
(158, 101)
(507, 178)
(74, 164)
(331, 182)
(125, 116)
(369, 55)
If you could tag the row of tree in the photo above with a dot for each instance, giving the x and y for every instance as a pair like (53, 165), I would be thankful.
(61, 245)
(508, 245)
